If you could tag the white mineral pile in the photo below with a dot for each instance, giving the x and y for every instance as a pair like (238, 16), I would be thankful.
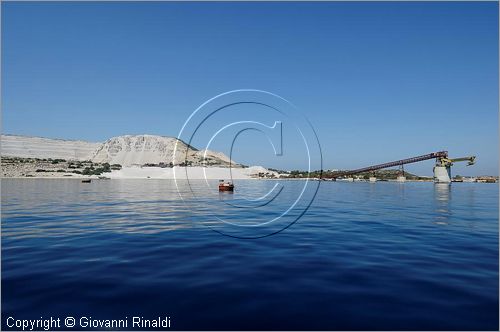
(129, 150)
(140, 156)
(192, 173)
(39, 147)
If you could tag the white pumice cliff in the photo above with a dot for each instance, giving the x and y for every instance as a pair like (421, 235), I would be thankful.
(126, 150)
(131, 150)
(43, 148)
(138, 156)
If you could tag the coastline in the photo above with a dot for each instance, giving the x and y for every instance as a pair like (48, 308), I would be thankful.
(170, 173)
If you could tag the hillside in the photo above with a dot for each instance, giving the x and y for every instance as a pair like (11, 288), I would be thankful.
(125, 150)
(39, 147)
(150, 149)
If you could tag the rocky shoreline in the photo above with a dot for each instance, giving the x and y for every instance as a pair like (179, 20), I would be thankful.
(16, 167)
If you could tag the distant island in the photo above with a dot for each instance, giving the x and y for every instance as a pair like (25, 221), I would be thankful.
(127, 156)
(151, 156)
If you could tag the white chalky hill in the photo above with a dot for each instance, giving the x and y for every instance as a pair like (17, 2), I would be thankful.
(137, 154)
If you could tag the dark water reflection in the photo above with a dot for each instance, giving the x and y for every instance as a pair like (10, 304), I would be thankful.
(366, 256)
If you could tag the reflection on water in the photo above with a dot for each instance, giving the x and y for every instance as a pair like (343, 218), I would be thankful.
(442, 193)
(365, 256)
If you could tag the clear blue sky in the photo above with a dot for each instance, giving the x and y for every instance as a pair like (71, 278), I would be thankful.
(378, 81)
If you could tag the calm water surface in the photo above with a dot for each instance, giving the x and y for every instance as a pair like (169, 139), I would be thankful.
(365, 256)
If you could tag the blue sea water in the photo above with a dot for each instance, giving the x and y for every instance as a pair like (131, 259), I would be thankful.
(412, 256)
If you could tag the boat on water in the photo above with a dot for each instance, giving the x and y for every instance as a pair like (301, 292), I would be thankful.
(226, 186)
(86, 180)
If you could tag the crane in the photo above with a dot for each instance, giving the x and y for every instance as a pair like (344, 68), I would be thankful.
(440, 154)
(449, 162)
(441, 170)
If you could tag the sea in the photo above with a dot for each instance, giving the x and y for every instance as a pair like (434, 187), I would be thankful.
(273, 255)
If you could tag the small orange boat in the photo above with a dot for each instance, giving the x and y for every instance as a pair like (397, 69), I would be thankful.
(226, 186)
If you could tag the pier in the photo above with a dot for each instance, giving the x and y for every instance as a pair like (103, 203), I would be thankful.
(442, 169)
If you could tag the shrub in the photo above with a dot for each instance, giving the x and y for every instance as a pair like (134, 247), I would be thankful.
(97, 171)
(88, 171)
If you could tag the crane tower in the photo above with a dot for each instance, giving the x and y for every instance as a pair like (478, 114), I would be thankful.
(442, 170)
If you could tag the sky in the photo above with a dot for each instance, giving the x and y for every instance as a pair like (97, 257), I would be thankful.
(377, 81)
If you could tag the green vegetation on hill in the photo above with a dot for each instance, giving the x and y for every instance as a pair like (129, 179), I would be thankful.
(17, 166)
(384, 174)
(105, 168)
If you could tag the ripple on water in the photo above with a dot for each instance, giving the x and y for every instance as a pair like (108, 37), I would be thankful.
(365, 256)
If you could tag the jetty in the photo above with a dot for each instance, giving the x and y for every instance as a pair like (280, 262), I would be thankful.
(442, 169)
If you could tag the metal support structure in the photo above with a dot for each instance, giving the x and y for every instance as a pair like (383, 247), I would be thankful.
(437, 155)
